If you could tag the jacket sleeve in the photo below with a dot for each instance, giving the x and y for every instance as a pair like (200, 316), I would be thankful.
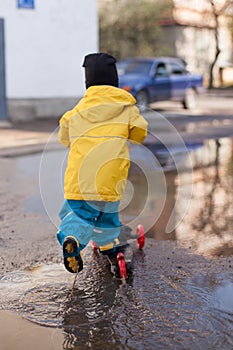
(138, 127)
(63, 134)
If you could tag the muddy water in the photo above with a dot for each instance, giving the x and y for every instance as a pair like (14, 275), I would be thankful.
(18, 333)
(175, 299)
(180, 295)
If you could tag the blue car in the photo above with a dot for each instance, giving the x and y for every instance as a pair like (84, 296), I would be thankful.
(159, 79)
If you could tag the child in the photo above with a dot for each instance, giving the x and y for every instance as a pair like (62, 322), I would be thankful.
(96, 130)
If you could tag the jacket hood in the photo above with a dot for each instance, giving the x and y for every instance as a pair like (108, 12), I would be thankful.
(101, 103)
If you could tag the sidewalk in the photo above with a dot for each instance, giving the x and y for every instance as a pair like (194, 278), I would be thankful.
(32, 136)
(27, 137)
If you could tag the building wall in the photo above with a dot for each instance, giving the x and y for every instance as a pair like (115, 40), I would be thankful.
(194, 45)
(195, 37)
(44, 50)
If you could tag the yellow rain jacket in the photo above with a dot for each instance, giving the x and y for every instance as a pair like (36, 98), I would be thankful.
(97, 130)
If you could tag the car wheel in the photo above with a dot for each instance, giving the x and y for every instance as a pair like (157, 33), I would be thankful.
(142, 100)
(190, 100)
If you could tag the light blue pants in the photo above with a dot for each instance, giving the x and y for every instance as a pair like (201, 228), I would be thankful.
(92, 220)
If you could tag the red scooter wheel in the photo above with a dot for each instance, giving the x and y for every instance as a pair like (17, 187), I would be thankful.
(122, 265)
(141, 236)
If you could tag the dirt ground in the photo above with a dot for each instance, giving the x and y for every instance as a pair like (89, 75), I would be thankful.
(25, 238)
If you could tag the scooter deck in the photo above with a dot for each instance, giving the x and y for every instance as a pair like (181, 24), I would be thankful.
(120, 260)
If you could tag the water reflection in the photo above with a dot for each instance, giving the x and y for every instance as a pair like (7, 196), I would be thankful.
(207, 225)
(223, 295)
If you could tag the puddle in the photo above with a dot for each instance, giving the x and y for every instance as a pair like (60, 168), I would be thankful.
(174, 299)
(197, 209)
(224, 298)
(30, 290)
(16, 332)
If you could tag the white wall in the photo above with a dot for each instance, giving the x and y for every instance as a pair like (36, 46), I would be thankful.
(45, 47)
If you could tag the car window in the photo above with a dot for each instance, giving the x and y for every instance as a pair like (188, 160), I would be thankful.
(132, 67)
(161, 70)
(177, 69)
(121, 67)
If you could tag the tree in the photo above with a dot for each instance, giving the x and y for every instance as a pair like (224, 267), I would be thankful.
(132, 27)
(219, 8)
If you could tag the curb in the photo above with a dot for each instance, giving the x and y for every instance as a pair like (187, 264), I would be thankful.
(25, 150)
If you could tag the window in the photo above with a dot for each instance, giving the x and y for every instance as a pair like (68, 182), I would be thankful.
(177, 69)
(134, 67)
(27, 4)
(161, 70)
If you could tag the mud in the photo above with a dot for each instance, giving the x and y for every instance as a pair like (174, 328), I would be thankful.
(26, 236)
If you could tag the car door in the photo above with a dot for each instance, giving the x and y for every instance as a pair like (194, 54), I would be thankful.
(179, 80)
(161, 85)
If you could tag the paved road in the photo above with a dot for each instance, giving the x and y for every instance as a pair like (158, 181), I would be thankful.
(212, 119)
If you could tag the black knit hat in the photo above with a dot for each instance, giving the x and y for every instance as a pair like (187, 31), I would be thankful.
(100, 69)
